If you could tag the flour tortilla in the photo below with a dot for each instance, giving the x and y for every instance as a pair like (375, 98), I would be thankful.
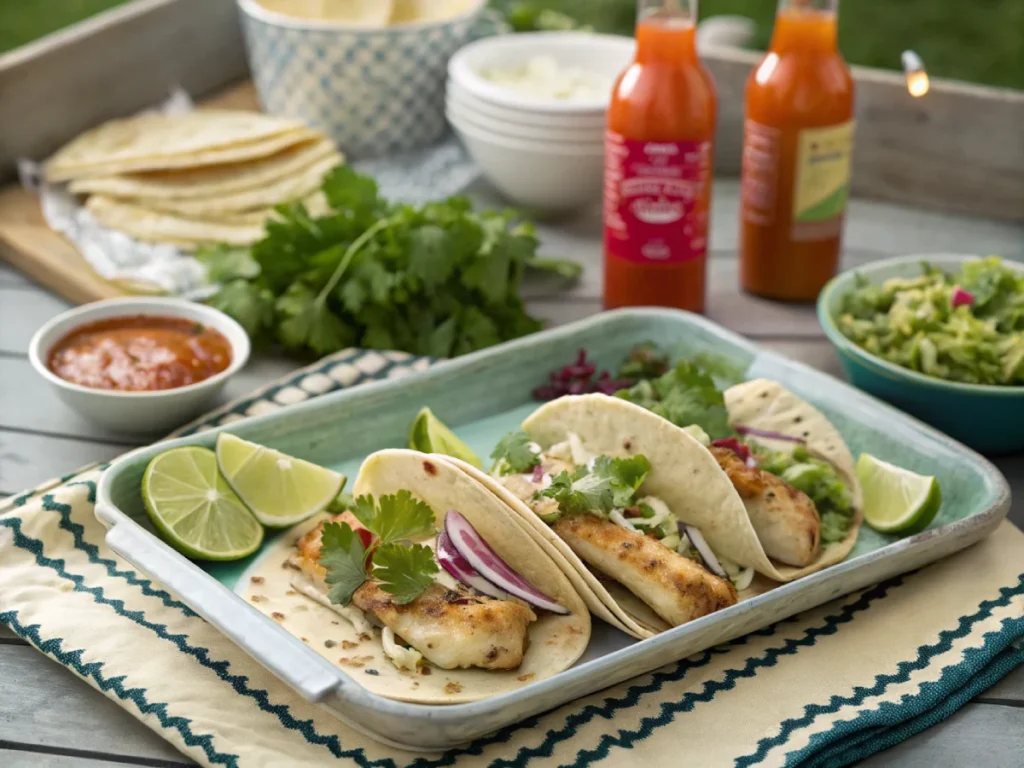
(636, 621)
(316, 204)
(157, 227)
(295, 187)
(686, 476)
(556, 642)
(156, 141)
(213, 180)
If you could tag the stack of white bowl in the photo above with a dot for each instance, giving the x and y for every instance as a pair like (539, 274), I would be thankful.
(544, 154)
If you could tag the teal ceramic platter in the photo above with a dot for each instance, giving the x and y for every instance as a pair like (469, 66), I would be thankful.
(482, 396)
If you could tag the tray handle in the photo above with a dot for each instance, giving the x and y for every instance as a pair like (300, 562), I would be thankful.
(294, 663)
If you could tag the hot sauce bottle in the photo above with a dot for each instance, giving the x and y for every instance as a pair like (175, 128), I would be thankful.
(797, 144)
(658, 165)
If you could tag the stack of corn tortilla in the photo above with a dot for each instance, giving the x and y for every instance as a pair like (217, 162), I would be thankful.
(209, 176)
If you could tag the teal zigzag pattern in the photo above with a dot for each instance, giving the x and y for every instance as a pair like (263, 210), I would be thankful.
(630, 699)
(53, 647)
(93, 553)
(953, 677)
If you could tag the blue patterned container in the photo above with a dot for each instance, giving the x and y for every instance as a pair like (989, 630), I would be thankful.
(373, 91)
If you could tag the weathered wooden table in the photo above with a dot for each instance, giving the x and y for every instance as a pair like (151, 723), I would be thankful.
(48, 718)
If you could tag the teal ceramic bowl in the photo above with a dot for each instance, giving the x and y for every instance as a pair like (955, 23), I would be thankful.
(990, 419)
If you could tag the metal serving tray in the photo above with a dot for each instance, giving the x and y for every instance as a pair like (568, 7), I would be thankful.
(482, 396)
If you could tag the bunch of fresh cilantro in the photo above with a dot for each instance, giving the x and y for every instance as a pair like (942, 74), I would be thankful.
(440, 279)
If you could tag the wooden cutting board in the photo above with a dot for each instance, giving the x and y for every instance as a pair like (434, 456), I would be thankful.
(28, 244)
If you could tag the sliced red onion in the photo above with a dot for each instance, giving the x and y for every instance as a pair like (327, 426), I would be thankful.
(697, 539)
(487, 563)
(460, 569)
(768, 434)
(736, 447)
(961, 297)
(538, 473)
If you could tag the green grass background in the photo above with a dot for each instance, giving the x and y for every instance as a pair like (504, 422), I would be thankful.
(980, 41)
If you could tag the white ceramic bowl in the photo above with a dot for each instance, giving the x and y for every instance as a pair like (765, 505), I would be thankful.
(602, 55)
(517, 117)
(556, 136)
(138, 412)
(373, 91)
(541, 177)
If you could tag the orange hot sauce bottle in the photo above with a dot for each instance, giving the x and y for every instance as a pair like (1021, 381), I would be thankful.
(658, 165)
(797, 144)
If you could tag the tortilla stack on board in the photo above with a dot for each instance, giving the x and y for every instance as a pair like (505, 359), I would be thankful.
(203, 177)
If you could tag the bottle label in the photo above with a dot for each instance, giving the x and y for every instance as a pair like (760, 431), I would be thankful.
(760, 172)
(656, 199)
(822, 183)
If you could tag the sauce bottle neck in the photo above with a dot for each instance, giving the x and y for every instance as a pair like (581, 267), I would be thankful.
(666, 31)
(805, 26)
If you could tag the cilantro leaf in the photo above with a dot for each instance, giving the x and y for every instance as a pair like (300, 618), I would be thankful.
(248, 303)
(345, 189)
(514, 455)
(686, 395)
(404, 571)
(305, 321)
(611, 484)
(343, 555)
(225, 263)
(395, 517)
(625, 476)
(431, 257)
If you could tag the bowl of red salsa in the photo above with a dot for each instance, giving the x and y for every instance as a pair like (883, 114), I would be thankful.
(139, 365)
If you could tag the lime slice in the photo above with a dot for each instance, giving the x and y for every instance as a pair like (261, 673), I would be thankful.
(195, 509)
(429, 435)
(897, 500)
(279, 489)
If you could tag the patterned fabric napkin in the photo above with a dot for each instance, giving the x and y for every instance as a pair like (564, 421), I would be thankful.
(824, 688)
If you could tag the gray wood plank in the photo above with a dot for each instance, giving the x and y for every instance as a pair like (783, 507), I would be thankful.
(22, 310)
(27, 460)
(1010, 688)
(9, 638)
(12, 758)
(977, 735)
(113, 65)
(41, 704)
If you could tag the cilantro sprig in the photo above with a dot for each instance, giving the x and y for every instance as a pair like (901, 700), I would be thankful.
(686, 395)
(402, 568)
(440, 279)
(514, 454)
(610, 484)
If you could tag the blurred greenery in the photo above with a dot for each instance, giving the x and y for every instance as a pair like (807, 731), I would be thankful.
(978, 41)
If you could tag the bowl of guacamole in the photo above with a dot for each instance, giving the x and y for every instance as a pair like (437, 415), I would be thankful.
(940, 336)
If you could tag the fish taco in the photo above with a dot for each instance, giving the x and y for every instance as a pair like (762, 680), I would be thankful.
(434, 588)
(668, 526)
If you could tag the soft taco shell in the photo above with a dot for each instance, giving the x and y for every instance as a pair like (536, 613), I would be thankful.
(596, 594)
(158, 227)
(683, 473)
(556, 642)
(767, 405)
(295, 187)
(156, 141)
(210, 181)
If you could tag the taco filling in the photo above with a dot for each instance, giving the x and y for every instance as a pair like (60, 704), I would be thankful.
(597, 505)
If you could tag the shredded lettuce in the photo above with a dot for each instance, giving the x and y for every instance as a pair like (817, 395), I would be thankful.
(966, 327)
(819, 480)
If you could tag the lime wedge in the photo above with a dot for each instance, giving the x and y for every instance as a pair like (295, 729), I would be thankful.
(195, 509)
(429, 435)
(279, 489)
(897, 500)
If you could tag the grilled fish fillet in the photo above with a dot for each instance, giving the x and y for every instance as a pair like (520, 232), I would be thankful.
(784, 519)
(451, 628)
(676, 588)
